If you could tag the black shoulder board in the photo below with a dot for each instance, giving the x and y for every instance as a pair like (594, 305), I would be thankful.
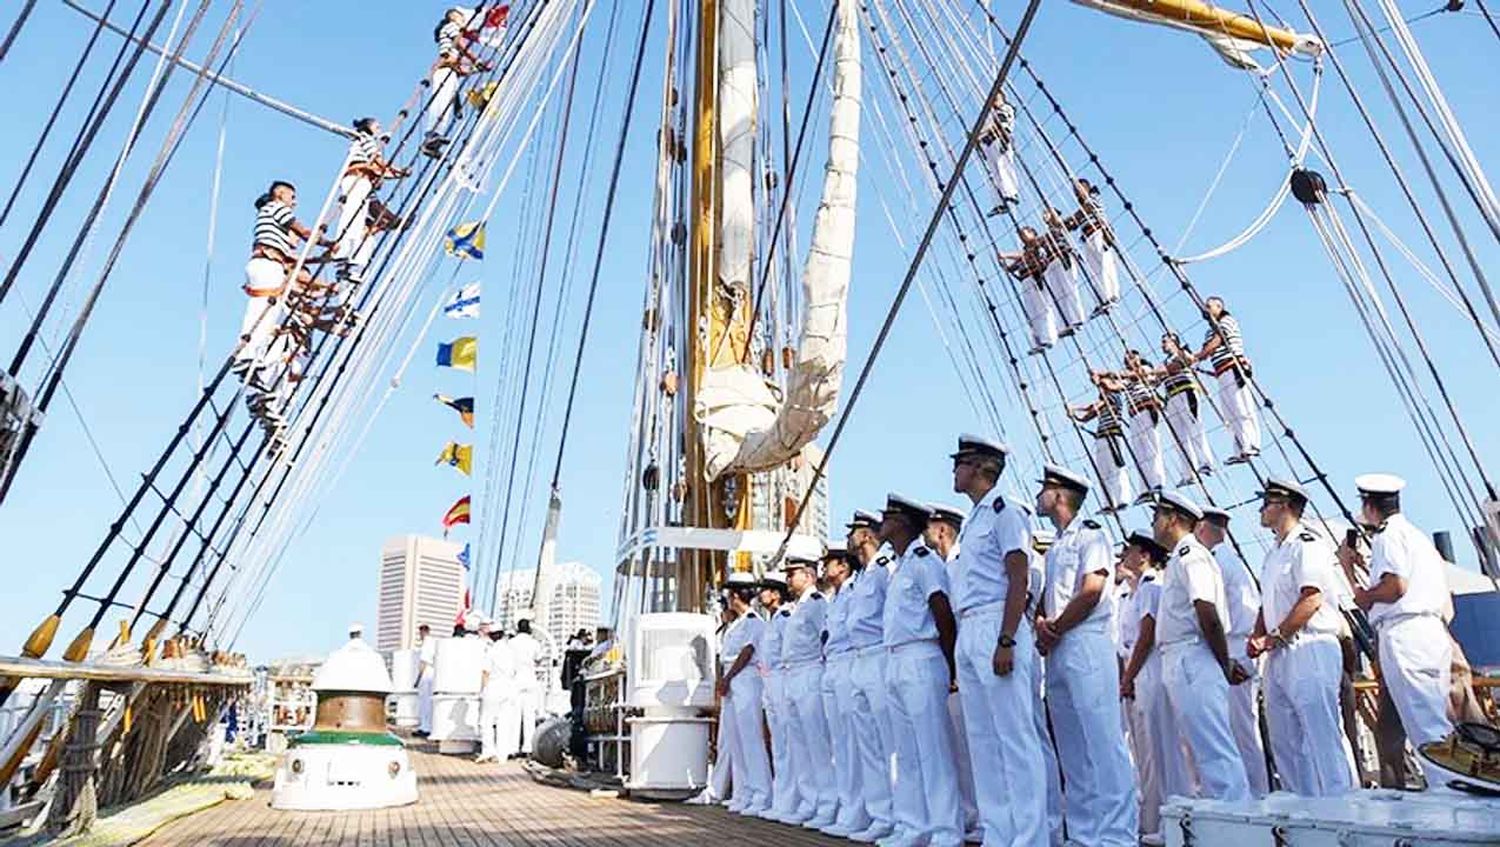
(922, 551)
(786, 613)
(1381, 528)
(883, 560)
(817, 595)
(999, 504)
(1307, 536)
(1184, 550)
(1090, 523)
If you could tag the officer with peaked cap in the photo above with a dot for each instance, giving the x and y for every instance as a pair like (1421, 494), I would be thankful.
(1073, 629)
(802, 650)
(941, 537)
(998, 668)
(741, 690)
(1196, 668)
(1406, 597)
(1298, 631)
(838, 693)
(785, 793)
(1243, 596)
(1036, 583)
(919, 632)
(869, 715)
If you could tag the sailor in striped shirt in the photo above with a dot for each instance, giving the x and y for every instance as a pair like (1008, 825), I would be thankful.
(1109, 433)
(1061, 276)
(1184, 414)
(278, 237)
(1224, 348)
(1029, 267)
(1000, 154)
(455, 60)
(1143, 411)
(363, 170)
(1099, 264)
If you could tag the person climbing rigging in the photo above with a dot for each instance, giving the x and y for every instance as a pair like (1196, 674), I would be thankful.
(1143, 411)
(1029, 267)
(364, 170)
(1062, 274)
(1224, 348)
(456, 59)
(1184, 411)
(1109, 432)
(1099, 260)
(273, 256)
(999, 153)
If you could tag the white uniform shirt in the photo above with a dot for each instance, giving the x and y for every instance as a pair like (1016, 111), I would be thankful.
(1304, 559)
(1240, 591)
(1402, 549)
(500, 664)
(748, 629)
(995, 527)
(836, 622)
(1147, 603)
(802, 640)
(427, 658)
(866, 613)
(773, 639)
(1127, 620)
(1192, 575)
(527, 651)
(919, 574)
(1080, 549)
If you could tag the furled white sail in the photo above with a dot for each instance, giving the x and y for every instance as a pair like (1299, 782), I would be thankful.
(747, 425)
(1233, 36)
(738, 108)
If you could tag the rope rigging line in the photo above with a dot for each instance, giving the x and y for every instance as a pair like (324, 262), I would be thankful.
(950, 185)
(15, 29)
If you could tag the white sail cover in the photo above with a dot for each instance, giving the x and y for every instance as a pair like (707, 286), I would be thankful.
(1234, 51)
(747, 427)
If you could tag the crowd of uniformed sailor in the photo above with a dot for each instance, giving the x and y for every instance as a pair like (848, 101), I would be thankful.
(960, 674)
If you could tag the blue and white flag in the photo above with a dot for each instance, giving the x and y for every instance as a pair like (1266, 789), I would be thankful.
(464, 303)
(463, 557)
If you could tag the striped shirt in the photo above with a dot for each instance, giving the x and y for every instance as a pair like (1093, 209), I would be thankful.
(273, 228)
(1179, 378)
(1090, 216)
(1033, 261)
(1233, 348)
(1002, 123)
(1109, 419)
(447, 40)
(1139, 397)
(363, 150)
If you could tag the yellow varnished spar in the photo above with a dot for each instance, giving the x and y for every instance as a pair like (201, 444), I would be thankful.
(1230, 33)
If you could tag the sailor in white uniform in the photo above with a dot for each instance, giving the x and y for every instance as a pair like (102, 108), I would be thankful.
(838, 693)
(802, 651)
(1028, 266)
(996, 144)
(427, 667)
(1073, 631)
(1185, 411)
(1196, 668)
(1109, 456)
(1406, 599)
(869, 712)
(1244, 605)
(1298, 631)
(740, 699)
(1099, 261)
(1036, 585)
(773, 602)
(1224, 348)
(998, 667)
(528, 654)
(499, 711)
(942, 538)
(920, 630)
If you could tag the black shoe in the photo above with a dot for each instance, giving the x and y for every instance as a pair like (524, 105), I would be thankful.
(433, 144)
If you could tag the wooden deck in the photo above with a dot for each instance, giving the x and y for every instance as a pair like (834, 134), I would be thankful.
(480, 805)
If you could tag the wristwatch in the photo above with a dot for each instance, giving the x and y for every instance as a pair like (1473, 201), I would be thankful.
(1007, 641)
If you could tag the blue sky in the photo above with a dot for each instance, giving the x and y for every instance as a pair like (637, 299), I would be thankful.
(1157, 104)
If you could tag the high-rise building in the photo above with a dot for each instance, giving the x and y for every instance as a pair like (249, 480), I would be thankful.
(573, 604)
(777, 493)
(421, 581)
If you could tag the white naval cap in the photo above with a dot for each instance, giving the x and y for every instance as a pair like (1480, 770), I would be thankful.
(1059, 475)
(740, 579)
(834, 549)
(864, 518)
(977, 444)
(773, 579)
(1279, 487)
(1216, 514)
(1179, 503)
(951, 515)
(794, 562)
(907, 506)
(1379, 484)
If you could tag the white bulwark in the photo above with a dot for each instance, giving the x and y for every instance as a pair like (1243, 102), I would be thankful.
(421, 581)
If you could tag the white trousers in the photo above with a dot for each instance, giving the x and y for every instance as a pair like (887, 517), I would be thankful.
(526, 699)
(784, 799)
(440, 107)
(1100, 264)
(721, 776)
(1142, 748)
(424, 702)
(751, 767)
(926, 790)
(1244, 719)
(1302, 710)
(263, 316)
(1145, 450)
(1189, 438)
(1112, 477)
(1199, 697)
(1083, 685)
(1053, 827)
(1002, 170)
(838, 698)
(1004, 741)
(497, 719)
(870, 720)
(805, 686)
(1416, 664)
(967, 806)
(1062, 291)
(1237, 405)
(353, 211)
(1041, 318)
